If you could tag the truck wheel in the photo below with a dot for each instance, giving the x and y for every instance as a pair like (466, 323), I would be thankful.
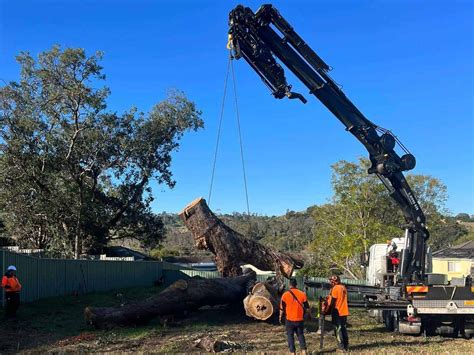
(396, 321)
(428, 329)
(389, 320)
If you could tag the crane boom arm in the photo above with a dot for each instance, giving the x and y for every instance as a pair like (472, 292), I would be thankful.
(255, 37)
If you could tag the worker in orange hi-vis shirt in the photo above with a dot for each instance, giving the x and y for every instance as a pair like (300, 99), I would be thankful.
(294, 304)
(339, 310)
(12, 288)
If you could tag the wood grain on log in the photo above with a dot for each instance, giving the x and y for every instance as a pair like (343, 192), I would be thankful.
(231, 248)
(262, 302)
(181, 296)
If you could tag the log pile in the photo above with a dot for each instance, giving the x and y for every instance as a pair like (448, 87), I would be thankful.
(231, 248)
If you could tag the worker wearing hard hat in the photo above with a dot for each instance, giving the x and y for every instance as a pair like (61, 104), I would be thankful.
(339, 310)
(12, 288)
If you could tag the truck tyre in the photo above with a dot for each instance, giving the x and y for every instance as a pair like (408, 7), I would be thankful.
(389, 320)
(428, 327)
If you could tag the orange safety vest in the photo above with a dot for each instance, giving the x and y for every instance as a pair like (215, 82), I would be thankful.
(339, 292)
(11, 284)
(293, 307)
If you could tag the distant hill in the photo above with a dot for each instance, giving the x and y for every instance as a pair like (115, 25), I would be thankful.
(290, 232)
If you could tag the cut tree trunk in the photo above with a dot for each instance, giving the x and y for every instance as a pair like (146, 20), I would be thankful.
(181, 296)
(262, 302)
(231, 248)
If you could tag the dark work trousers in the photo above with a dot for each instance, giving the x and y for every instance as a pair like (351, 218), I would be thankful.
(291, 328)
(340, 329)
(12, 302)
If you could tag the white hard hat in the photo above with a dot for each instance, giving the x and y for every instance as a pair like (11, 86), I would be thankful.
(11, 268)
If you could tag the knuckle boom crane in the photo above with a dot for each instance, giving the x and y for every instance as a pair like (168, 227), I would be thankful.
(421, 303)
(252, 37)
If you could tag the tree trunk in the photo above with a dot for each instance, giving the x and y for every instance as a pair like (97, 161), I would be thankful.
(181, 296)
(262, 302)
(230, 247)
(78, 236)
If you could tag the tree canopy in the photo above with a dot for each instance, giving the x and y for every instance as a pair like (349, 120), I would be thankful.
(361, 213)
(465, 217)
(74, 174)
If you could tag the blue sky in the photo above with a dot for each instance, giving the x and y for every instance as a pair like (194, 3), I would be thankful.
(407, 65)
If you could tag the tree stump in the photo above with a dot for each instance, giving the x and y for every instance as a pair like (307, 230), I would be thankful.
(230, 247)
(181, 296)
(262, 302)
(215, 346)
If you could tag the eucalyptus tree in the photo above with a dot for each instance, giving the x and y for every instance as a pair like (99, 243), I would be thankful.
(74, 173)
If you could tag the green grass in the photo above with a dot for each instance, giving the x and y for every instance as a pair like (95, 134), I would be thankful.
(62, 317)
(57, 325)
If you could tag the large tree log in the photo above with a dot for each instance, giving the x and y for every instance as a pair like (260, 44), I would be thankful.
(230, 247)
(262, 302)
(183, 295)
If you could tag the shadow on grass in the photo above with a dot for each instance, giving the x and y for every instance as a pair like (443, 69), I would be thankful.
(395, 344)
(51, 320)
(374, 329)
(383, 345)
(53, 323)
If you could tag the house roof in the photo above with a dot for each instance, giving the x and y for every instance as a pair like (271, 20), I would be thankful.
(461, 251)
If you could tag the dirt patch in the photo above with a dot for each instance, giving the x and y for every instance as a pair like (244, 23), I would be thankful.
(230, 326)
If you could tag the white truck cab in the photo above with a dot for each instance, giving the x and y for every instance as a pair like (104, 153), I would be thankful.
(378, 260)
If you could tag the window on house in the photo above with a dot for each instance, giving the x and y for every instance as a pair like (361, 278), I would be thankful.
(454, 266)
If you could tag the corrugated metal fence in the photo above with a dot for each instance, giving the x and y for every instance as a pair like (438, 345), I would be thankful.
(173, 273)
(43, 278)
(314, 293)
